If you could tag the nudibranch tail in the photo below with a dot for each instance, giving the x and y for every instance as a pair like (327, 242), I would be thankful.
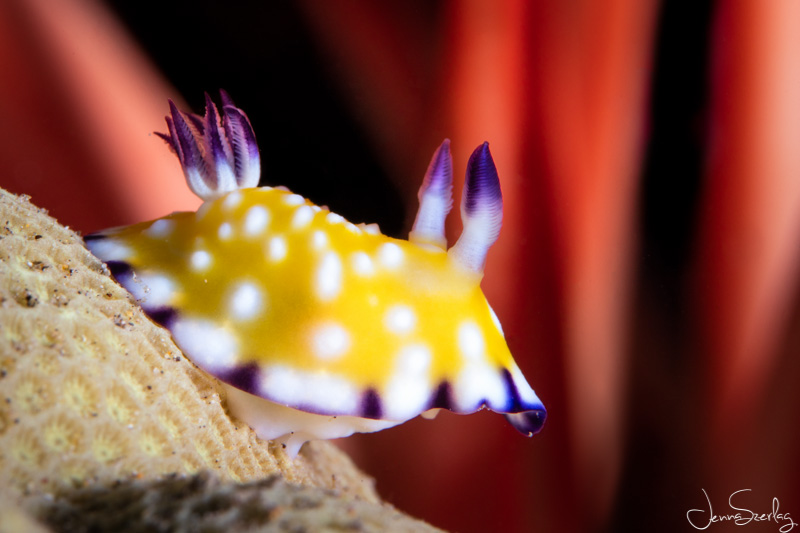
(218, 152)
(481, 211)
(528, 422)
(435, 199)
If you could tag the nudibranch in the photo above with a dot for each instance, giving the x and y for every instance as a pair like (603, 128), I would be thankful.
(318, 327)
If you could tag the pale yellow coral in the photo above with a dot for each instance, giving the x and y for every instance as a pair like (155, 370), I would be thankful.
(92, 392)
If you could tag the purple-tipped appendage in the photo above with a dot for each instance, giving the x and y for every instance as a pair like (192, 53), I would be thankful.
(481, 211)
(218, 152)
(482, 186)
(435, 199)
(439, 176)
(246, 159)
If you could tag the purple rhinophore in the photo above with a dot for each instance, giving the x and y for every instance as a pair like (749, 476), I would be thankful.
(435, 199)
(481, 211)
(482, 186)
(218, 152)
(439, 177)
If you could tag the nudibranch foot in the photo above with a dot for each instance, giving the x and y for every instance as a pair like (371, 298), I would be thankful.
(319, 327)
(293, 427)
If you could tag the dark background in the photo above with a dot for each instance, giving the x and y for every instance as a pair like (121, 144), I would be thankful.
(262, 54)
(314, 141)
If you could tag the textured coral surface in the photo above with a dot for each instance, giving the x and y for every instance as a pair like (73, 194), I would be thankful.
(201, 503)
(92, 393)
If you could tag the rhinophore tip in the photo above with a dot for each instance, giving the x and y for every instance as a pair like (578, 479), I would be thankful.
(435, 199)
(481, 211)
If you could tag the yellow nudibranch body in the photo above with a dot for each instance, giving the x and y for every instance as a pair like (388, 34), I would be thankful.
(320, 327)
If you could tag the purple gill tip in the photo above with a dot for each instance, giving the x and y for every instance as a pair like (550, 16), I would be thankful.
(218, 152)
(482, 185)
(166, 137)
(226, 98)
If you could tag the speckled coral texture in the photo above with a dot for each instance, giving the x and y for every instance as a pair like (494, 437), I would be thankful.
(201, 503)
(92, 393)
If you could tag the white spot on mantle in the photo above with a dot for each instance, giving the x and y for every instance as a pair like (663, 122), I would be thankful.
(390, 255)
(152, 290)
(321, 391)
(277, 249)
(200, 260)
(334, 218)
(330, 341)
(328, 279)
(400, 319)
(470, 341)
(209, 346)
(246, 301)
(109, 250)
(256, 220)
(294, 199)
(302, 217)
(319, 240)
(478, 381)
(232, 199)
(160, 228)
(409, 389)
(362, 264)
(225, 231)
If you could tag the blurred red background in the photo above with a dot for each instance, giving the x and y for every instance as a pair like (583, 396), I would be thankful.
(646, 272)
